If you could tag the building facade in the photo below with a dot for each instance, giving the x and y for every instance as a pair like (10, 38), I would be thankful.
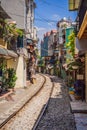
(22, 14)
(82, 36)
(62, 25)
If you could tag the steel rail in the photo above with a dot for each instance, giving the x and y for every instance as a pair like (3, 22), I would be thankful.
(17, 111)
(44, 109)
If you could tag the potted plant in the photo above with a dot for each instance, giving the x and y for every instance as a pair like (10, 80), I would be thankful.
(3, 73)
(11, 78)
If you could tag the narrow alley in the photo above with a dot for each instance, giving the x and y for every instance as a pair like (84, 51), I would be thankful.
(43, 64)
(58, 113)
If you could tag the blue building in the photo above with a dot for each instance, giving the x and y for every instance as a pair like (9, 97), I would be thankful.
(44, 45)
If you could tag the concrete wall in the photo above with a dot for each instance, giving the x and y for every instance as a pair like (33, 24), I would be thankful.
(21, 72)
(12, 63)
(50, 45)
(30, 19)
(16, 9)
(19, 64)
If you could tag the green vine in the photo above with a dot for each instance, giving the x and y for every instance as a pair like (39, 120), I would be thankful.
(4, 74)
(11, 77)
(70, 46)
(9, 31)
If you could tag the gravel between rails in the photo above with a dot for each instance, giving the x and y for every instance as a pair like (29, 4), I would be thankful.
(26, 119)
(58, 115)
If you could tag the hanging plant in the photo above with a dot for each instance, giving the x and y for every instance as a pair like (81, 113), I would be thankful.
(8, 31)
(70, 46)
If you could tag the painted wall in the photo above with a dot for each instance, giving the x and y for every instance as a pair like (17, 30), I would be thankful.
(50, 45)
(19, 64)
(21, 72)
(12, 63)
(68, 32)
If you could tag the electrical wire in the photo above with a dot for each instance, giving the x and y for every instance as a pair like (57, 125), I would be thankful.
(45, 19)
(50, 4)
(41, 20)
(38, 19)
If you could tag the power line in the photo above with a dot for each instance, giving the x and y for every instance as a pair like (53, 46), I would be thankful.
(47, 20)
(44, 20)
(50, 4)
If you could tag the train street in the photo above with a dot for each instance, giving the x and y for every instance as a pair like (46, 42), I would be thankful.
(48, 109)
(43, 64)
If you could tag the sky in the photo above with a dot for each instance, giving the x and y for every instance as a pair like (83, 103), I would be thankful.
(49, 12)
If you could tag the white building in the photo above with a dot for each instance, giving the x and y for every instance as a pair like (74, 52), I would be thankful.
(30, 19)
(61, 27)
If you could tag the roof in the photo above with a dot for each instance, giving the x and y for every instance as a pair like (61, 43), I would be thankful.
(53, 31)
(47, 34)
(12, 53)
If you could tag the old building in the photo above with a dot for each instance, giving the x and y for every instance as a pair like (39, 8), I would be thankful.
(82, 38)
(21, 12)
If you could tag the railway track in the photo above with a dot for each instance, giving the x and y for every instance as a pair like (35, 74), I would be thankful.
(12, 116)
(44, 109)
(56, 114)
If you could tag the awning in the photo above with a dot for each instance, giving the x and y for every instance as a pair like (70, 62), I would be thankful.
(12, 53)
(3, 51)
(7, 53)
(81, 46)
